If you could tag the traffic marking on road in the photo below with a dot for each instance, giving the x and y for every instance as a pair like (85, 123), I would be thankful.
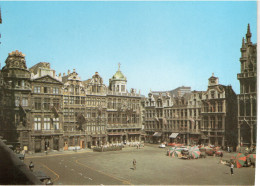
(57, 176)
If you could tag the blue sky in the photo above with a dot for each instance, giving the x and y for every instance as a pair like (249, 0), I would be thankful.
(160, 45)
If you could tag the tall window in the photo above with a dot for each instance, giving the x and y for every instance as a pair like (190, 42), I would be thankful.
(220, 106)
(66, 100)
(72, 100)
(47, 123)
(56, 124)
(220, 122)
(37, 103)
(212, 94)
(17, 101)
(46, 104)
(37, 123)
(24, 101)
(46, 89)
(37, 89)
(55, 90)
(82, 100)
(77, 101)
(122, 88)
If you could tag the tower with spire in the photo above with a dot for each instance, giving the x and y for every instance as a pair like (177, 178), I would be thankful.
(247, 99)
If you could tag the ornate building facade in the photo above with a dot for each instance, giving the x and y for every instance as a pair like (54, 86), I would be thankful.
(247, 99)
(41, 111)
(15, 99)
(46, 117)
(198, 117)
(218, 114)
(171, 118)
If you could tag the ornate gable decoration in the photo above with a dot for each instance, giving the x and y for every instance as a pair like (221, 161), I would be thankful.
(47, 79)
(96, 79)
(16, 59)
(73, 76)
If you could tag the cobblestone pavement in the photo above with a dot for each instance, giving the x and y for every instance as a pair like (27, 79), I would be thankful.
(153, 168)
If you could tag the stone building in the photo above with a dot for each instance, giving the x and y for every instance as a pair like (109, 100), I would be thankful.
(96, 110)
(46, 118)
(171, 118)
(74, 109)
(247, 99)
(124, 120)
(15, 100)
(218, 114)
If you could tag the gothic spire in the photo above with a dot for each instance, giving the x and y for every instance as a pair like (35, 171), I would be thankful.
(248, 34)
(243, 42)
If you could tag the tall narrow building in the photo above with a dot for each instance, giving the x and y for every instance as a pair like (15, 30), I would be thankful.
(247, 99)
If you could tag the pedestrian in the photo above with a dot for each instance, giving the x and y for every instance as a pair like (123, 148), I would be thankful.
(232, 168)
(31, 166)
(134, 164)
(228, 148)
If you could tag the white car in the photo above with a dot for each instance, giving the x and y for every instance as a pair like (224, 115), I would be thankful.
(162, 146)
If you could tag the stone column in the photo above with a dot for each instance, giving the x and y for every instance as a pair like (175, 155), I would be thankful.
(251, 107)
(209, 137)
(61, 143)
(209, 123)
(188, 139)
(42, 144)
(238, 136)
(238, 106)
(223, 140)
(51, 142)
(216, 122)
(251, 138)
(223, 123)
(32, 145)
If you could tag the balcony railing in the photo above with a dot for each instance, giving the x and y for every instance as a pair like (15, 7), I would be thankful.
(52, 131)
(246, 75)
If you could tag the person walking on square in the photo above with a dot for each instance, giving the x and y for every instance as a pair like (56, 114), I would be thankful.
(232, 168)
(134, 164)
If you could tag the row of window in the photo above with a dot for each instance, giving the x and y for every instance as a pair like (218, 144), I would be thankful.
(46, 90)
(46, 124)
(212, 107)
(178, 124)
(45, 103)
(23, 101)
(173, 113)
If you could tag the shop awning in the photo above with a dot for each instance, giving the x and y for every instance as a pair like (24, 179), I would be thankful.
(115, 134)
(173, 135)
(98, 135)
(137, 133)
(157, 134)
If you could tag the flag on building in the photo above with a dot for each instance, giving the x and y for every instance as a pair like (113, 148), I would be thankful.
(54, 110)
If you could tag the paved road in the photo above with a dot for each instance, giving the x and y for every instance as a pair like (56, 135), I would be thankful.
(153, 167)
